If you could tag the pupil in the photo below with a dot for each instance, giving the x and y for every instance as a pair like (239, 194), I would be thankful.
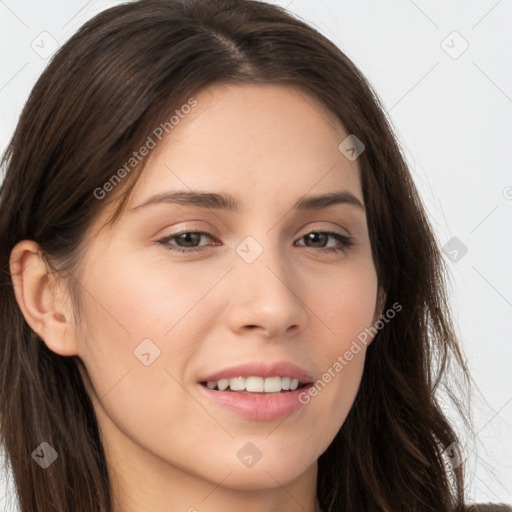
(187, 235)
(311, 237)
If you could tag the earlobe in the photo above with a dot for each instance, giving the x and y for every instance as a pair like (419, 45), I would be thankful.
(39, 294)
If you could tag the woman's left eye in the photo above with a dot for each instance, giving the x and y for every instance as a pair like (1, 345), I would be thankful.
(344, 241)
(190, 238)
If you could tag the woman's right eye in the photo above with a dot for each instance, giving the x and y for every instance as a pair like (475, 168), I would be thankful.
(187, 237)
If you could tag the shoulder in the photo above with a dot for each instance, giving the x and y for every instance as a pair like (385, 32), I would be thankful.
(488, 507)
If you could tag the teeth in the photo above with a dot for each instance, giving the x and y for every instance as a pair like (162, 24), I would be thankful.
(222, 384)
(254, 384)
(237, 384)
(272, 385)
(285, 383)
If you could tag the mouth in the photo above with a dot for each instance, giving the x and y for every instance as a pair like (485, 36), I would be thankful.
(267, 401)
(255, 385)
(257, 390)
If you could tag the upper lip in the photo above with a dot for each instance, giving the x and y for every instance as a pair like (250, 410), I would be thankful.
(261, 369)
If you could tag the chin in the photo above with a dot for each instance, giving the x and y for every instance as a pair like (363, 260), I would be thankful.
(276, 470)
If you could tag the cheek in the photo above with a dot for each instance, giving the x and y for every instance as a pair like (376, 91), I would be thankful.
(344, 302)
(141, 325)
(344, 307)
(127, 302)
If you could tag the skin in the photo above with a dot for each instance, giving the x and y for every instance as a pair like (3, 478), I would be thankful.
(168, 446)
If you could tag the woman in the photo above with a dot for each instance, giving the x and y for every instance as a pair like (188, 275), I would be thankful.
(289, 362)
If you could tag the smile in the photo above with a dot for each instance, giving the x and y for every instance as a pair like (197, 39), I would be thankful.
(255, 384)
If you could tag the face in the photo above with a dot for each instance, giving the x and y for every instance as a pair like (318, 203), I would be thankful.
(271, 288)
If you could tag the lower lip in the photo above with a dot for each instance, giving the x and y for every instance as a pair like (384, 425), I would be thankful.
(259, 407)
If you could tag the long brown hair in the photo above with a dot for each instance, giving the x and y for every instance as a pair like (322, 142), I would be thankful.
(99, 99)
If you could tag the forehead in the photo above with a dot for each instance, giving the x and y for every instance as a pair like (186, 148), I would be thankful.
(264, 144)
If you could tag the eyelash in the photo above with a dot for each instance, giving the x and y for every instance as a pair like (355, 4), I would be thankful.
(345, 241)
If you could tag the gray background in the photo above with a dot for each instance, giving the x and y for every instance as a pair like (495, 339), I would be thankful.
(452, 111)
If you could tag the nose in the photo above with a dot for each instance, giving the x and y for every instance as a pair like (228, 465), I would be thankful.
(267, 298)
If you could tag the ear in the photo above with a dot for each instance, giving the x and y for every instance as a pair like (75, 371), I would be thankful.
(41, 295)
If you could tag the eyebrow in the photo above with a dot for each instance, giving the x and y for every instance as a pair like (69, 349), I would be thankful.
(225, 201)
